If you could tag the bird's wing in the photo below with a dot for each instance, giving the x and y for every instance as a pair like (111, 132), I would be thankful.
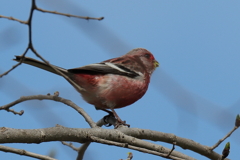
(105, 68)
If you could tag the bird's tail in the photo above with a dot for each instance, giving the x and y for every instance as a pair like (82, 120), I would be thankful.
(40, 64)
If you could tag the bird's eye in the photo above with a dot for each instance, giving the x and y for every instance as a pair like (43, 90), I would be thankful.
(147, 55)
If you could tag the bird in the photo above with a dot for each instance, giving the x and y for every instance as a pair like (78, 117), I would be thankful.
(111, 84)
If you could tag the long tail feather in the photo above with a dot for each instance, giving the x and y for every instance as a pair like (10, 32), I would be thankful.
(40, 64)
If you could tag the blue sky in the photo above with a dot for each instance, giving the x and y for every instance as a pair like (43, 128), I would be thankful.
(194, 94)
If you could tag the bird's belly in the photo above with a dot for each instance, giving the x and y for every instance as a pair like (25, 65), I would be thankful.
(111, 91)
(120, 91)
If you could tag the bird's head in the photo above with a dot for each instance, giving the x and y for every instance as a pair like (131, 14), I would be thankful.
(146, 58)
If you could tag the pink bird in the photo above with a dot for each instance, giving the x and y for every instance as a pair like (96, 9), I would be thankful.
(111, 84)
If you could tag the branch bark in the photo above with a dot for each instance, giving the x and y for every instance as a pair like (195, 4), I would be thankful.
(55, 98)
(24, 152)
(124, 136)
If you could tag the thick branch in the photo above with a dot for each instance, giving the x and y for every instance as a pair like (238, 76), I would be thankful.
(171, 138)
(59, 133)
(125, 145)
(8, 135)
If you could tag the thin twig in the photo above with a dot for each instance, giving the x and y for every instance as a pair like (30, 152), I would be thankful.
(30, 44)
(15, 112)
(13, 67)
(24, 152)
(68, 15)
(221, 140)
(55, 98)
(13, 19)
(173, 147)
(70, 145)
(16, 65)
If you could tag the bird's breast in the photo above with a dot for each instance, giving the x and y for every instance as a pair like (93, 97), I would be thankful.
(112, 91)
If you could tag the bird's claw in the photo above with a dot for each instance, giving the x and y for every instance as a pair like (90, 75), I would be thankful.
(119, 122)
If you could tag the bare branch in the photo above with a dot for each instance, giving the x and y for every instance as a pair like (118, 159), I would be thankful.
(221, 140)
(82, 150)
(13, 67)
(15, 112)
(30, 44)
(125, 145)
(55, 98)
(60, 133)
(70, 145)
(123, 137)
(173, 147)
(68, 15)
(170, 138)
(101, 122)
(13, 19)
(25, 153)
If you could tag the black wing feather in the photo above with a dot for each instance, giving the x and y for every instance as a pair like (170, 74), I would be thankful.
(102, 68)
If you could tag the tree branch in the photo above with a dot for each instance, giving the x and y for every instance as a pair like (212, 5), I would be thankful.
(55, 98)
(70, 145)
(68, 15)
(221, 140)
(125, 145)
(59, 133)
(30, 44)
(82, 150)
(171, 138)
(25, 153)
(13, 19)
(15, 66)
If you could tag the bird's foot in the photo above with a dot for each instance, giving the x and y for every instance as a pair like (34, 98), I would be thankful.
(119, 122)
(113, 114)
(111, 119)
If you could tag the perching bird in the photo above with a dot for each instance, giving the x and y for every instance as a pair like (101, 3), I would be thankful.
(111, 84)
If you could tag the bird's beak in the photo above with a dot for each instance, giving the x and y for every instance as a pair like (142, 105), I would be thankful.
(156, 64)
